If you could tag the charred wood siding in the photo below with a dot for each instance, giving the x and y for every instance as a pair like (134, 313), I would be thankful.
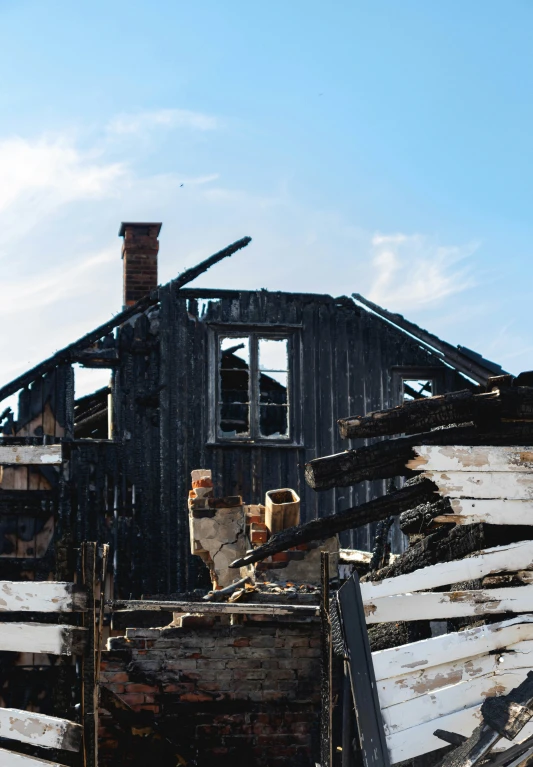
(343, 362)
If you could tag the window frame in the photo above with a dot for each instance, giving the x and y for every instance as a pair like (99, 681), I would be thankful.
(254, 333)
(429, 373)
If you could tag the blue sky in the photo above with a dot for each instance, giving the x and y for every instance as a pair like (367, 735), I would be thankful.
(377, 147)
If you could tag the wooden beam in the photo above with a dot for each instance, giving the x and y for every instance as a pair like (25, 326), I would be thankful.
(89, 686)
(454, 604)
(390, 458)
(491, 511)
(41, 597)
(372, 511)
(41, 638)
(326, 683)
(449, 648)
(12, 759)
(456, 407)
(510, 558)
(26, 455)
(39, 730)
(68, 354)
(471, 458)
(228, 608)
(483, 484)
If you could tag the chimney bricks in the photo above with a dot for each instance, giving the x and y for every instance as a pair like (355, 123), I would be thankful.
(139, 253)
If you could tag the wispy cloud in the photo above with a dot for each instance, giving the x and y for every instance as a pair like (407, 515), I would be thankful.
(414, 270)
(141, 122)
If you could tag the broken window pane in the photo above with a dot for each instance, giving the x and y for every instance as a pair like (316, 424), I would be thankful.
(417, 388)
(273, 388)
(273, 354)
(234, 392)
(273, 421)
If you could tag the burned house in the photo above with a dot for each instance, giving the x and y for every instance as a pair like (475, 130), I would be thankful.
(245, 385)
(249, 384)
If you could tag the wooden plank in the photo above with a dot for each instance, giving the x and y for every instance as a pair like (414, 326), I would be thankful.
(39, 730)
(404, 687)
(369, 720)
(41, 597)
(89, 687)
(448, 648)
(483, 484)
(444, 605)
(493, 511)
(515, 556)
(449, 699)
(41, 638)
(471, 458)
(236, 608)
(12, 759)
(415, 741)
(24, 455)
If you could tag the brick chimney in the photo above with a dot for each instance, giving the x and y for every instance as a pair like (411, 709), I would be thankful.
(139, 253)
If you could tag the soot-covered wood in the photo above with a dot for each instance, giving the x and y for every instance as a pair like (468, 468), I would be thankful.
(455, 408)
(373, 511)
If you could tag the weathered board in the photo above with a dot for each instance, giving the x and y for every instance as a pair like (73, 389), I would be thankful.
(515, 556)
(237, 608)
(41, 638)
(444, 605)
(11, 759)
(26, 455)
(483, 484)
(40, 730)
(448, 648)
(492, 511)
(41, 597)
(468, 458)
(408, 686)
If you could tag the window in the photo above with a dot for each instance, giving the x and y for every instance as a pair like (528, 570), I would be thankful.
(417, 388)
(252, 388)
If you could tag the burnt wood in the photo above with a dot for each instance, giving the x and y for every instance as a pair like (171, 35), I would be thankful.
(69, 353)
(454, 408)
(373, 511)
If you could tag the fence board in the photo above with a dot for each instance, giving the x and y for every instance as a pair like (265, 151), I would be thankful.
(41, 638)
(515, 556)
(39, 730)
(483, 484)
(444, 605)
(467, 458)
(408, 686)
(24, 455)
(448, 648)
(12, 759)
(41, 596)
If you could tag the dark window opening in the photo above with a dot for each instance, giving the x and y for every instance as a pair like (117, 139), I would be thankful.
(417, 388)
(253, 387)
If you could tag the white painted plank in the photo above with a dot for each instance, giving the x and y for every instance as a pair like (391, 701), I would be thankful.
(492, 511)
(23, 455)
(404, 687)
(40, 730)
(448, 648)
(515, 556)
(469, 458)
(41, 638)
(11, 759)
(40, 596)
(483, 484)
(445, 605)
(415, 741)
(446, 701)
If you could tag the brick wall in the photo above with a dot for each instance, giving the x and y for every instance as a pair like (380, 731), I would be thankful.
(223, 694)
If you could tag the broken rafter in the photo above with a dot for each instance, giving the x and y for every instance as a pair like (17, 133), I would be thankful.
(372, 511)
(390, 458)
(454, 408)
(72, 351)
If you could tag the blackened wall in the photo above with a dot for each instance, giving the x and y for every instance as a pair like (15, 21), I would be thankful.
(346, 362)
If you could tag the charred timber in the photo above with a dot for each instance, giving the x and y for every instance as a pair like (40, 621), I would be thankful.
(387, 459)
(68, 354)
(392, 504)
(420, 519)
(454, 408)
